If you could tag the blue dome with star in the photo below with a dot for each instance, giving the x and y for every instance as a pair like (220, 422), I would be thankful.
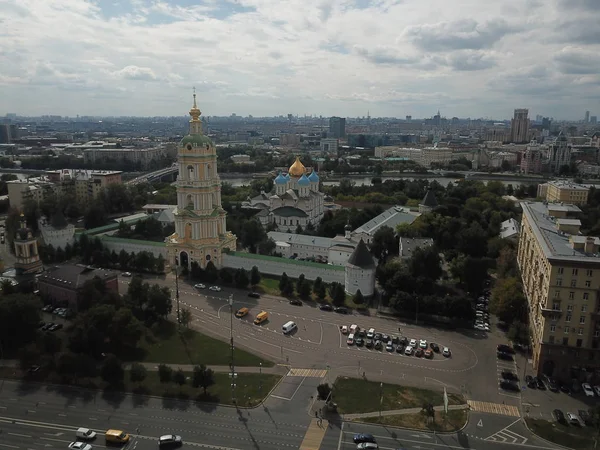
(303, 181)
(313, 177)
(280, 179)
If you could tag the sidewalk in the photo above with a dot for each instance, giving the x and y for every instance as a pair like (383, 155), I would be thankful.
(153, 367)
(397, 412)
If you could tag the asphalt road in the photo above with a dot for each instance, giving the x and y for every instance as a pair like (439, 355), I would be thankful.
(318, 343)
(35, 416)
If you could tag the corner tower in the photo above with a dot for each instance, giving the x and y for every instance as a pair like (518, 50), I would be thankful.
(200, 228)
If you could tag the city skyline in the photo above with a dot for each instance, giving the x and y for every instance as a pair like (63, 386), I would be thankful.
(267, 58)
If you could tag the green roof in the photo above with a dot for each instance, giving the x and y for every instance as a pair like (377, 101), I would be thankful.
(132, 241)
(197, 139)
(276, 259)
(112, 226)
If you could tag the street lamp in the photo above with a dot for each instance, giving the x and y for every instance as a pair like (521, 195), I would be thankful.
(233, 374)
(380, 397)
(260, 378)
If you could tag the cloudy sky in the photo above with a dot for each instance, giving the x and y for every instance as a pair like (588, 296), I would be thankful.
(467, 58)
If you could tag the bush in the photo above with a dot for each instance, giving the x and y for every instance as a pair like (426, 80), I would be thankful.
(323, 390)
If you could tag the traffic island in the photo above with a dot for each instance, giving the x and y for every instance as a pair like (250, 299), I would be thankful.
(452, 421)
(569, 436)
(357, 396)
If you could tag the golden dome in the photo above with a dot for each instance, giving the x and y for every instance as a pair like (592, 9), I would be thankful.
(297, 169)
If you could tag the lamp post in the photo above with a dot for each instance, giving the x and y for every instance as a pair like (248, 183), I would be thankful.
(233, 374)
(259, 378)
(380, 397)
(177, 296)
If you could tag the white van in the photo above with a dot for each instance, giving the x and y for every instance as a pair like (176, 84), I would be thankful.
(289, 327)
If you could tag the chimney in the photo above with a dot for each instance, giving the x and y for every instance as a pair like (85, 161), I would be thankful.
(590, 245)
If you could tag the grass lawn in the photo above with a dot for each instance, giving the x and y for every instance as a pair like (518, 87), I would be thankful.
(355, 395)
(453, 421)
(247, 386)
(191, 347)
(565, 435)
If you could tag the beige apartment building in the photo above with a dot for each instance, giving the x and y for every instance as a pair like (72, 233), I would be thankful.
(560, 270)
(422, 156)
(562, 191)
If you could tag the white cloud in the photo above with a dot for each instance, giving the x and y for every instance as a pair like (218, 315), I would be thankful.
(267, 57)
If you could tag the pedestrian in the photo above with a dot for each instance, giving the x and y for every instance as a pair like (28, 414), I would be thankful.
(137, 431)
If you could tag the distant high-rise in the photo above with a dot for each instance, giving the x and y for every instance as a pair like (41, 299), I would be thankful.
(546, 122)
(408, 118)
(337, 127)
(519, 126)
(587, 117)
(594, 120)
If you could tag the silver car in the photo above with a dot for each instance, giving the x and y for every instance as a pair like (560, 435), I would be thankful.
(169, 440)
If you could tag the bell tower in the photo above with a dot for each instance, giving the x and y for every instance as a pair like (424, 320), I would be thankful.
(200, 220)
(27, 258)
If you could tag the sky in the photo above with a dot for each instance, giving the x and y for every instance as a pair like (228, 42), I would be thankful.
(388, 58)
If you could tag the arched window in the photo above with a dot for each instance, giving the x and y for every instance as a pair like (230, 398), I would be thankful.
(190, 171)
(189, 201)
(188, 231)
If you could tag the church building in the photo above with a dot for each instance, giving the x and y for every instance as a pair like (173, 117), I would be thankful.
(296, 200)
(200, 228)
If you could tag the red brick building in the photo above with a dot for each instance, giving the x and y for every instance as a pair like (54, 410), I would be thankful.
(61, 285)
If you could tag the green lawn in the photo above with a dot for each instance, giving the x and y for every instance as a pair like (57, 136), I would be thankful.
(453, 421)
(169, 347)
(355, 395)
(565, 435)
(251, 388)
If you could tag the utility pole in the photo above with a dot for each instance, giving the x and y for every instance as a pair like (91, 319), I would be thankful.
(380, 397)
(177, 296)
(233, 374)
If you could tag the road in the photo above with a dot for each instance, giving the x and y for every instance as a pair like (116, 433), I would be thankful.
(35, 416)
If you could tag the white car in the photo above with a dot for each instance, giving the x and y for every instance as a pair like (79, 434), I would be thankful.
(169, 440)
(80, 446)
(200, 286)
(370, 333)
(413, 343)
(85, 433)
(390, 346)
(408, 350)
(589, 392)
(446, 352)
(423, 344)
(344, 329)
(126, 274)
(482, 327)
(215, 288)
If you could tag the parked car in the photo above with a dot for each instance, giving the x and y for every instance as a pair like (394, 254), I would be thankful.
(505, 349)
(253, 294)
(559, 416)
(215, 288)
(428, 353)
(434, 347)
(363, 437)
(296, 302)
(408, 350)
(509, 386)
(510, 376)
(540, 384)
(344, 329)
(378, 345)
(423, 344)
(585, 417)
(126, 274)
(341, 310)
(446, 352)
(390, 346)
(573, 419)
(419, 352)
(326, 307)
(400, 348)
(504, 356)
(530, 381)
(359, 342)
(587, 389)
(200, 286)
(369, 343)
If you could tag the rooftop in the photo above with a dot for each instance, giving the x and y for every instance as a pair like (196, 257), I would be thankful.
(565, 184)
(509, 228)
(409, 245)
(301, 239)
(286, 261)
(74, 276)
(390, 218)
(361, 257)
(554, 243)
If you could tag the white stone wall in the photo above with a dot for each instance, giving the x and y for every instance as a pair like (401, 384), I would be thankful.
(129, 246)
(338, 257)
(57, 238)
(279, 265)
(357, 278)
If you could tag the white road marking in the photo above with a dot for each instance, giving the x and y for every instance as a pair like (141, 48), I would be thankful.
(20, 435)
(9, 446)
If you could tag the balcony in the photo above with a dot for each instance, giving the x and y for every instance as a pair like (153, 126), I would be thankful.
(549, 312)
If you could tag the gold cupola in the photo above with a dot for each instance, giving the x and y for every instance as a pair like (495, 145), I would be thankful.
(297, 169)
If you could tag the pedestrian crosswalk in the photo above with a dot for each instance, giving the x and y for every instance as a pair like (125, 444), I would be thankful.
(507, 436)
(314, 435)
(313, 373)
(494, 408)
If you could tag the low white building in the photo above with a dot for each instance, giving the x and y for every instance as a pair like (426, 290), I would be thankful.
(56, 232)
(392, 217)
(509, 229)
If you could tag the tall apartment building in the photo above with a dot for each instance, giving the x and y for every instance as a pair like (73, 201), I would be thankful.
(531, 161)
(337, 127)
(559, 154)
(560, 270)
(143, 156)
(422, 156)
(519, 126)
(562, 191)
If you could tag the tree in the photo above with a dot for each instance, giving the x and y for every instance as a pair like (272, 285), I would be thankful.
(384, 244)
(286, 286)
(51, 343)
(137, 373)
(428, 411)
(185, 317)
(203, 377)
(241, 278)
(337, 294)
(470, 272)
(19, 320)
(165, 373)
(211, 273)
(358, 298)
(323, 391)
(283, 281)
(179, 377)
(160, 264)
(426, 263)
(507, 301)
(506, 264)
(159, 301)
(519, 333)
(255, 276)
(304, 289)
(28, 355)
(112, 371)
(317, 285)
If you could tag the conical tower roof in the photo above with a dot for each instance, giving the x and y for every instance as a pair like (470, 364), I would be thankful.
(361, 257)
(59, 221)
(429, 199)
